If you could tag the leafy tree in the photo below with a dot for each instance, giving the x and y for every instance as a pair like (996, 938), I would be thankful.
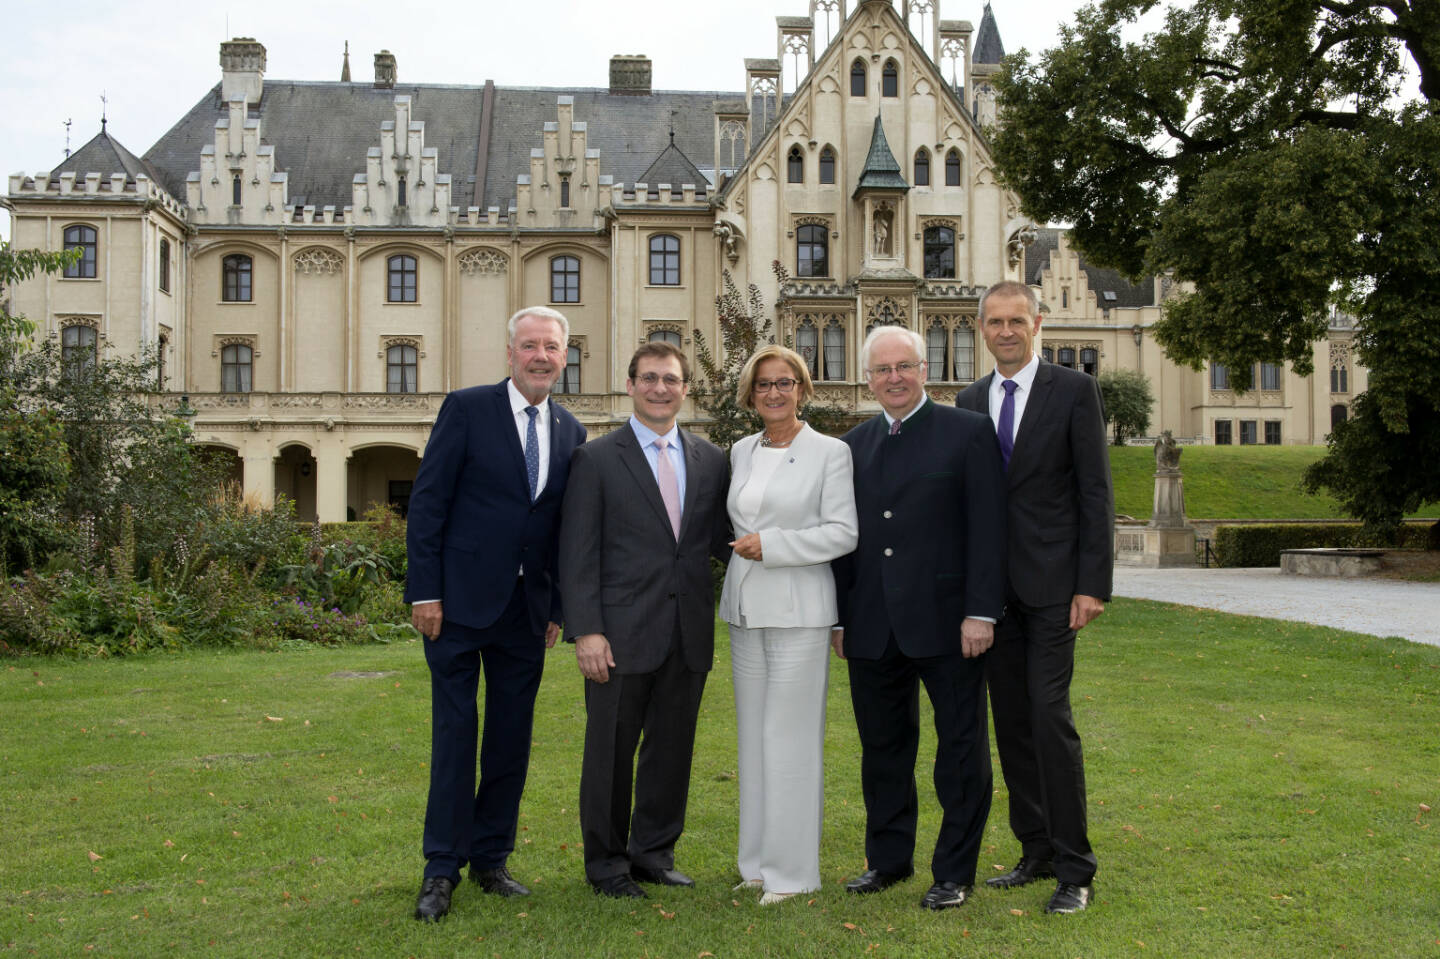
(1128, 400)
(1260, 151)
(745, 325)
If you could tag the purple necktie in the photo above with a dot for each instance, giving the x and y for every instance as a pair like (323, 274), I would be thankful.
(669, 485)
(1005, 431)
(895, 428)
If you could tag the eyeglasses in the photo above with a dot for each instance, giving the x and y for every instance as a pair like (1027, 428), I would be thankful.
(783, 385)
(655, 379)
(904, 369)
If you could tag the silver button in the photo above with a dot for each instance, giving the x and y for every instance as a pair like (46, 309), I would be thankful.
(888, 514)
(889, 551)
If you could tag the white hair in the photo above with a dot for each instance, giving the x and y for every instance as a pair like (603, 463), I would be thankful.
(542, 312)
(916, 341)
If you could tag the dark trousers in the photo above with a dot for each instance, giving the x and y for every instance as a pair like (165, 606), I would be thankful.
(885, 693)
(655, 711)
(1028, 671)
(463, 824)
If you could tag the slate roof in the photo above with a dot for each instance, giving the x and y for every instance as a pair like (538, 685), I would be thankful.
(988, 48)
(105, 155)
(672, 167)
(880, 171)
(1101, 280)
(321, 131)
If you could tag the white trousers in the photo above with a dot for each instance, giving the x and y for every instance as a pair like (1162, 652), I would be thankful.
(781, 676)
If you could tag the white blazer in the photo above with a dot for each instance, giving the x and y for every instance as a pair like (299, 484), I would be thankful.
(807, 518)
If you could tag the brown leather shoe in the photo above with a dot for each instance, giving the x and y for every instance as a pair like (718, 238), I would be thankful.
(1070, 897)
(1025, 872)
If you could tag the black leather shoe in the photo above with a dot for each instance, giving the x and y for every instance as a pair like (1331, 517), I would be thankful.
(1070, 897)
(1025, 872)
(617, 887)
(434, 900)
(946, 895)
(498, 881)
(660, 877)
(873, 880)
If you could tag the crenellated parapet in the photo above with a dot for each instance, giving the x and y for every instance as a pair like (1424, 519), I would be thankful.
(95, 188)
(402, 184)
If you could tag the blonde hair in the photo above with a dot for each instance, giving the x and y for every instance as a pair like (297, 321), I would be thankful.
(745, 390)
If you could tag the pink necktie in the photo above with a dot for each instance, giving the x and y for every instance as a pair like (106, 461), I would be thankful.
(669, 485)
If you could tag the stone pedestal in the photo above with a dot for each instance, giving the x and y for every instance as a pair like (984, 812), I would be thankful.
(1167, 541)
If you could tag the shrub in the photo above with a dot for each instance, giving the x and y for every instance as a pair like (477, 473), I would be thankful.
(1261, 544)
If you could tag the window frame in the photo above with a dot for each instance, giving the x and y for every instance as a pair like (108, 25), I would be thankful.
(807, 337)
(922, 167)
(1271, 377)
(858, 71)
(569, 381)
(827, 166)
(565, 267)
(890, 79)
(406, 268)
(962, 334)
(78, 359)
(1249, 433)
(164, 271)
(1273, 433)
(397, 360)
(86, 239)
(795, 165)
(953, 168)
(934, 242)
(1224, 433)
(833, 349)
(237, 278)
(1219, 376)
(937, 366)
(667, 255)
(243, 366)
(818, 238)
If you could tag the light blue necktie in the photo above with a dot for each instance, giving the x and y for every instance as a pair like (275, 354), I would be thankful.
(532, 452)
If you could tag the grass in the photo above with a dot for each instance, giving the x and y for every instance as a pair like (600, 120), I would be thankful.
(1256, 789)
(1230, 482)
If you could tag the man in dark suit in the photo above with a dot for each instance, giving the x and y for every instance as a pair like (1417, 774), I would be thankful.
(918, 601)
(1051, 430)
(484, 515)
(644, 514)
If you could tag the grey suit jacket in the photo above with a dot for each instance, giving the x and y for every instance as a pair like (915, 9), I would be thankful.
(622, 571)
(1060, 501)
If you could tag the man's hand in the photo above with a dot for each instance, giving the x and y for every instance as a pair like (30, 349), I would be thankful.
(552, 633)
(748, 546)
(427, 617)
(837, 641)
(1083, 609)
(976, 636)
(592, 652)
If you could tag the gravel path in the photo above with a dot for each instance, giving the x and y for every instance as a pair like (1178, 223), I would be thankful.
(1379, 607)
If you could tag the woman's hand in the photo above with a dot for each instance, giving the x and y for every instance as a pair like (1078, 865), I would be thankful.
(748, 546)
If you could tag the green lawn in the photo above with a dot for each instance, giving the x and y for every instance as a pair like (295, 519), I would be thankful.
(1229, 482)
(1256, 790)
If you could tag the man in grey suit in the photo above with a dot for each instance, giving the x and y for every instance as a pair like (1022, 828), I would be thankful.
(644, 512)
(1061, 514)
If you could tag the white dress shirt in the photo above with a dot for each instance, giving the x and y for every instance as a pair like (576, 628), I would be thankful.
(1025, 379)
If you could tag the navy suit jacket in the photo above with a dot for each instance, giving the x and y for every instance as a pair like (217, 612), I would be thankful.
(471, 525)
(931, 503)
(1062, 508)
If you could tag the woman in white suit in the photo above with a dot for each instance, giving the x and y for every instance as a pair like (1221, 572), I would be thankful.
(792, 505)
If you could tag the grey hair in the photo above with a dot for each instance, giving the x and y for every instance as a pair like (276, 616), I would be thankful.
(544, 313)
(917, 342)
(1011, 288)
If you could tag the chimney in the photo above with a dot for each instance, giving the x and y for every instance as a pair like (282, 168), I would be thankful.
(630, 75)
(384, 70)
(242, 69)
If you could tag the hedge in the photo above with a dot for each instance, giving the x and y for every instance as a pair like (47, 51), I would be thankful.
(1261, 544)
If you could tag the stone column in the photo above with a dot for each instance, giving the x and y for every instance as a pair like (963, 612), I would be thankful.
(332, 481)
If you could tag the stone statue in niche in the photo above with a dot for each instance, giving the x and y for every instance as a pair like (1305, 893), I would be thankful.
(882, 233)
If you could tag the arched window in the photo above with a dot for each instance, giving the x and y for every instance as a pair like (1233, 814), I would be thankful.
(834, 351)
(795, 166)
(963, 354)
(570, 379)
(82, 238)
(922, 167)
(857, 78)
(235, 278)
(164, 265)
(952, 168)
(1339, 377)
(403, 273)
(940, 252)
(812, 246)
(890, 79)
(935, 343)
(1090, 361)
(664, 260)
(827, 165)
(807, 344)
(402, 369)
(564, 279)
(235, 368)
(77, 351)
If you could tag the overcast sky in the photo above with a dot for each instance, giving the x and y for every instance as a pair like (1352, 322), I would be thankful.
(154, 60)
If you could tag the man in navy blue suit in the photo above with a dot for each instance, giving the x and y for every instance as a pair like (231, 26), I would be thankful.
(918, 602)
(482, 530)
